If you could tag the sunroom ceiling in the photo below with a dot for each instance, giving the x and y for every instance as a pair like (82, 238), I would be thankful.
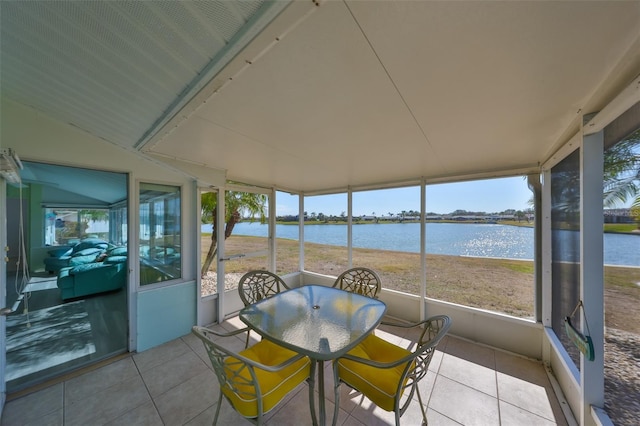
(330, 94)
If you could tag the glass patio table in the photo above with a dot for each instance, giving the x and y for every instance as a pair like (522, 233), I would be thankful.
(320, 322)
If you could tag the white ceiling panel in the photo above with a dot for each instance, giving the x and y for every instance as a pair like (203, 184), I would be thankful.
(373, 92)
(316, 96)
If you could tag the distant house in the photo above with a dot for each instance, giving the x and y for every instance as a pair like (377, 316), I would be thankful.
(618, 216)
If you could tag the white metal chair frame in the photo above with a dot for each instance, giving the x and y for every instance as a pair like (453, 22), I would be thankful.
(359, 280)
(257, 285)
(416, 365)
(236, 382)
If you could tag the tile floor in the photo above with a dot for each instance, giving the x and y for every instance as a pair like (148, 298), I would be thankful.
(173, 384)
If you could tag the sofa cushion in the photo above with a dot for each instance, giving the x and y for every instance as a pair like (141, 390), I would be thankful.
(273, 385)
(90, 243)
(379, 384)
(115, 259)
(60, 251)
(117, 251)
(84, 268)
(88, 252)
(85, 256)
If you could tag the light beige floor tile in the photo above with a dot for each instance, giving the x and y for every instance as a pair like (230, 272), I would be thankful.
(437, 419)
(161, 378)
(55, 418)
(522, 368)
(160, 354)
(511, 415)
(33, 407)
(470, 374)
(188, 399)
(233, 323)
(227, 417)
(97, 380)
(352, 421)
(192, 341)
(471, 352)
(108, 404)
(296, 411)
(144, 415)
(369, 414)
(426, 387)
(205, 418)
(463, 404)
(179, 374)
(528, 396)
(436, 360)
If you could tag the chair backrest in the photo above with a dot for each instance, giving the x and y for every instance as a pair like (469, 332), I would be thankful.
(362, 281)
(434, 329)
(252, 387)
(257, 285)
(228, 367)
(219, 357)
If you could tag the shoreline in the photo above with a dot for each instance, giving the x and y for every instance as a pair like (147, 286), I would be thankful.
(633, 228)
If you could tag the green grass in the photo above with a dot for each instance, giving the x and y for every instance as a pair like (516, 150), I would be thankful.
(501, 285)
(625, 228)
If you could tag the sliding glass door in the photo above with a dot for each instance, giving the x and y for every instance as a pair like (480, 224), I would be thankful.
(68, 286)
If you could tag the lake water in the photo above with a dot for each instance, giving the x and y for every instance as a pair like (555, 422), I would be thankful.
(482, 240)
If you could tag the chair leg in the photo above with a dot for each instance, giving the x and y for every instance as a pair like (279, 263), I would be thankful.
(215, 418)
(336, 392)
(422, 408)
(312, 386)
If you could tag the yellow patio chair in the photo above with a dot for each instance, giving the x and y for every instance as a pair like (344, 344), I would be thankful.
(362, 281)
(256, 379)
(257, 285)
(383, 372)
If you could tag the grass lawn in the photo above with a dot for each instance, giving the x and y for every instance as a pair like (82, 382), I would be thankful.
(494, 284)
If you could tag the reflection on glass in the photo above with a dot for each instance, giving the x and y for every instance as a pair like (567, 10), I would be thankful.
(160, 237)
(565, 248)
(67, 226)
(622, 289)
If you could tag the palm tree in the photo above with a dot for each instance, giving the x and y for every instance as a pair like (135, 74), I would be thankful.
(622, 172)
(236, 203)
(621, 178)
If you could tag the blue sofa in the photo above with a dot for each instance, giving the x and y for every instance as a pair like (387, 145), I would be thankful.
(86, 251)
(93, 278)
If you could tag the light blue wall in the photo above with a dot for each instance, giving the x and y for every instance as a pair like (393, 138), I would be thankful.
(165, 314)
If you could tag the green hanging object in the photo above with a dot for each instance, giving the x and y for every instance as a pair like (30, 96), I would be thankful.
(582, 342)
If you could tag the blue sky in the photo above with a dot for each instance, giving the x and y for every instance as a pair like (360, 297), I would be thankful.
(493, 195)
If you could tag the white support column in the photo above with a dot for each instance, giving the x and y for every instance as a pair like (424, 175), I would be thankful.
(350, 227)
(592, 272)
(272, 230)
(301, 233)
(547, 259)
(3, 291)
(423, 250)
(220, 254)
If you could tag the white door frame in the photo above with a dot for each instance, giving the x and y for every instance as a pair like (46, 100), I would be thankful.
(3, 294)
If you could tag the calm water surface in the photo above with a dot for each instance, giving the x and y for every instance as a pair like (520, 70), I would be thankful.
(482, 240)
